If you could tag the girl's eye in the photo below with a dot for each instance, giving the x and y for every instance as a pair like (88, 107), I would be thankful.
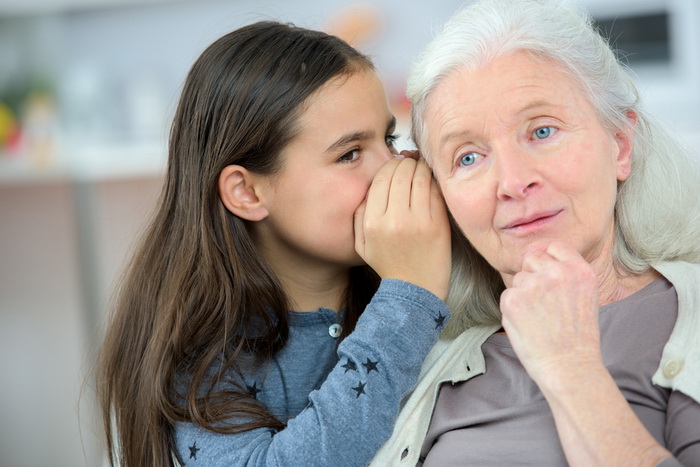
(350, 156)
(544, 132)
(468, 159)
(390, 140)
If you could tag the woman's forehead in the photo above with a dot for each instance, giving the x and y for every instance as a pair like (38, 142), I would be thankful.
(510, 84)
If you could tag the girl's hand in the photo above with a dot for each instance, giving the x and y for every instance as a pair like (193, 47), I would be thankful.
(550, 314)
(402, 230)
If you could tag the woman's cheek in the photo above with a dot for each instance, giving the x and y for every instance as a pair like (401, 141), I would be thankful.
(456, 205)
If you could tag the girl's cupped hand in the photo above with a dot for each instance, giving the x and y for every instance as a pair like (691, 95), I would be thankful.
(402, 229)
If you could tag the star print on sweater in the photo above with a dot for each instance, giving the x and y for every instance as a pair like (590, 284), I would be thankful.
(371, 366)
(253, 390)
(360, 389)
(193, 451)
(440, 321)
(349, 365)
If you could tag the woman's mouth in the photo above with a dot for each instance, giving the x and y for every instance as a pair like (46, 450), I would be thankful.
(532, 221)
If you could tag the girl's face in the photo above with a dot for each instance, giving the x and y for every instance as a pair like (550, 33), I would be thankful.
(523, 160)
(346, 135)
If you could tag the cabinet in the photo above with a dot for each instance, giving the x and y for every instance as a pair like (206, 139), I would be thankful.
(62, 242)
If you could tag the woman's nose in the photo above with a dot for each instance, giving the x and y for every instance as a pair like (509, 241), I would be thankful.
(517, 174)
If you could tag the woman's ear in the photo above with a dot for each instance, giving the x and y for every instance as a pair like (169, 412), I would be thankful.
(239, 191)
(625, 143)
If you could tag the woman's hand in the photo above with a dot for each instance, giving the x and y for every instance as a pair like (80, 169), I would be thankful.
(402, 230)
(551, 312)
(551, 316)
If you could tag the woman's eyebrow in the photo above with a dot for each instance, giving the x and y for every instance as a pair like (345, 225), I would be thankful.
(453, 135)
(467, 133)
(536, 105)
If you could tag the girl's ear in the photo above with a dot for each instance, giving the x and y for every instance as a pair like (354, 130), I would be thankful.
(238, 190)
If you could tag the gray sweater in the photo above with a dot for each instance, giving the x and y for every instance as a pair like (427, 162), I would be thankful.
(339, 402)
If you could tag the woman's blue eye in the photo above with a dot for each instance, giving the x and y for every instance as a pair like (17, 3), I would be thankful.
(468, 159)
(544, 132)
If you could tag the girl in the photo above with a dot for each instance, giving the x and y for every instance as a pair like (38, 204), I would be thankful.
(267, 208)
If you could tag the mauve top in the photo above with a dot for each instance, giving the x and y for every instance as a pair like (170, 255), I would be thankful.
(502, 418)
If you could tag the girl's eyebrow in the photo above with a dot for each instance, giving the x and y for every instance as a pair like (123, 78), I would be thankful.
(358, 136)
(349, 138)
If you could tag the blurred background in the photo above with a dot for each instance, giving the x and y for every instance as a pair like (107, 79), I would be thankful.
(87, 90)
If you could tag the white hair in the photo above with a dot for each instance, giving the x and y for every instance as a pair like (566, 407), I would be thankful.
(657, 214)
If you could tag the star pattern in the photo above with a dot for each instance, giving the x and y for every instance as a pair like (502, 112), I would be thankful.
(371, 366)
(349, 365)
(253, 390)
(359, 389)
(193, 451)
(440, 321)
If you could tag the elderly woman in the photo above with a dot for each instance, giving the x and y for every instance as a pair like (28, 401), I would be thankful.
(576, 290)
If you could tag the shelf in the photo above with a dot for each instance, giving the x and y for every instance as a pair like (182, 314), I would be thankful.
(87, 164)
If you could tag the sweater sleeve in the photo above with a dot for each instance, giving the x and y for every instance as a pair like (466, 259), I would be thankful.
(682, 431)
(353, 412)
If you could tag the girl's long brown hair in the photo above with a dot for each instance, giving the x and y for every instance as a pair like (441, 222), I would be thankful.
(197, 295)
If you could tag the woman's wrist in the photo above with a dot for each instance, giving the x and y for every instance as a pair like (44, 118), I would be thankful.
(595, 424)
